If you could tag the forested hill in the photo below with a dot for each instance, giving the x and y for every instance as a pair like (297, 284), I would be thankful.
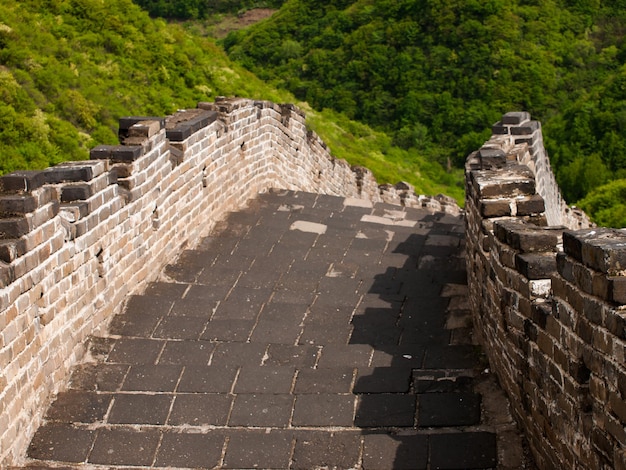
(69, 69)
(436, 73)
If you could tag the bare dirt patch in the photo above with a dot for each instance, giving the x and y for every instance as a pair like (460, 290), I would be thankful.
(243, 20)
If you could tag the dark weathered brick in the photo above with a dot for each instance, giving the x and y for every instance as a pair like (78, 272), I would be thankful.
(17, 204)
(14, 227)
(76, 192)
(526, 129)
(101, 152)
(60, 173)
(531, 205)
(526, 237)
(495, 208)
(514, 180)
(536, 265)
(491, 158)
(22, 181)
(515, 118)
(10, 250)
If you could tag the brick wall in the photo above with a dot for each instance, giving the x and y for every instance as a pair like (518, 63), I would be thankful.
(547, 295)
(77, 238)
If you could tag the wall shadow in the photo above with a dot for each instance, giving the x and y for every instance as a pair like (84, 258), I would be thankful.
(418, 380)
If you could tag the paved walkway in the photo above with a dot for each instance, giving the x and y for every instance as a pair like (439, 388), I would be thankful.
(306, 332)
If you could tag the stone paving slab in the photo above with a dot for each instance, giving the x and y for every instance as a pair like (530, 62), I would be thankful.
(304, 332)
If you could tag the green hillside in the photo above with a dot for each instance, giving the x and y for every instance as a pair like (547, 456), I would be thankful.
(435, 73)
(69, 69)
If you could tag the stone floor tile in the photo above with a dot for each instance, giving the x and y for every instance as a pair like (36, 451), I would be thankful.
(238, 354)
(265, 379)
(200, 409)
(135, 323)
(141, 315)
(180, 327)
(472, 450)
(452, 357)
(383, 380)
(99, 347)
(325, 333)
(261, 410)
(189, 265)
(228, 330)
(61, 442)
(190, 450)
(136, 351)
(259, 277)
(284, 311)
(258, 449)
(400, 356)
(319, 313)
(297, 356)
(378, 337)
(424, 336)
(98, 377)
(339, 450)
(335, 380)
(152, 378)
(383, 410)
(219, 279)
(430, 384)
(391, 452)
(294, 295)
(448, 409)
(275, 331)
(192, 306)
(242, 304)
(207, 379)
(79, 407)
(188, 353)
(324, 410)
(169, 290)
(140, 409)
(339, 291)
(121, 446)
(338, 355)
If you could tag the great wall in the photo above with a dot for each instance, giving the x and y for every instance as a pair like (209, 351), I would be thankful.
(546, 290)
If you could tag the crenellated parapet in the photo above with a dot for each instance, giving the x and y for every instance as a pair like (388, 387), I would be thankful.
(547, 293)
(77, 238)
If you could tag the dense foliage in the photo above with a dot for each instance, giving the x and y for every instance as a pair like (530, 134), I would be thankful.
(607, 204)
(70, 68)
(436, 73)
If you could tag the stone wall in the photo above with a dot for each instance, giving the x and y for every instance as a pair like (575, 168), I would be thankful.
(547, 294)
(77, 238)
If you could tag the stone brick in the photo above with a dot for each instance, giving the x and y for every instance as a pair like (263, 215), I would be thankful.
(21, 181)
(536, 265)
(617, 289)
(525, 238)
(515, 180)
(515, 118)
(491, 158)
(17, 204)
(14, 227)
(526, 129)
(530, 205)
(495, 208)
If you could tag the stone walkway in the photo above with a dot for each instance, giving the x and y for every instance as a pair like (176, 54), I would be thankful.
(306, 332)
